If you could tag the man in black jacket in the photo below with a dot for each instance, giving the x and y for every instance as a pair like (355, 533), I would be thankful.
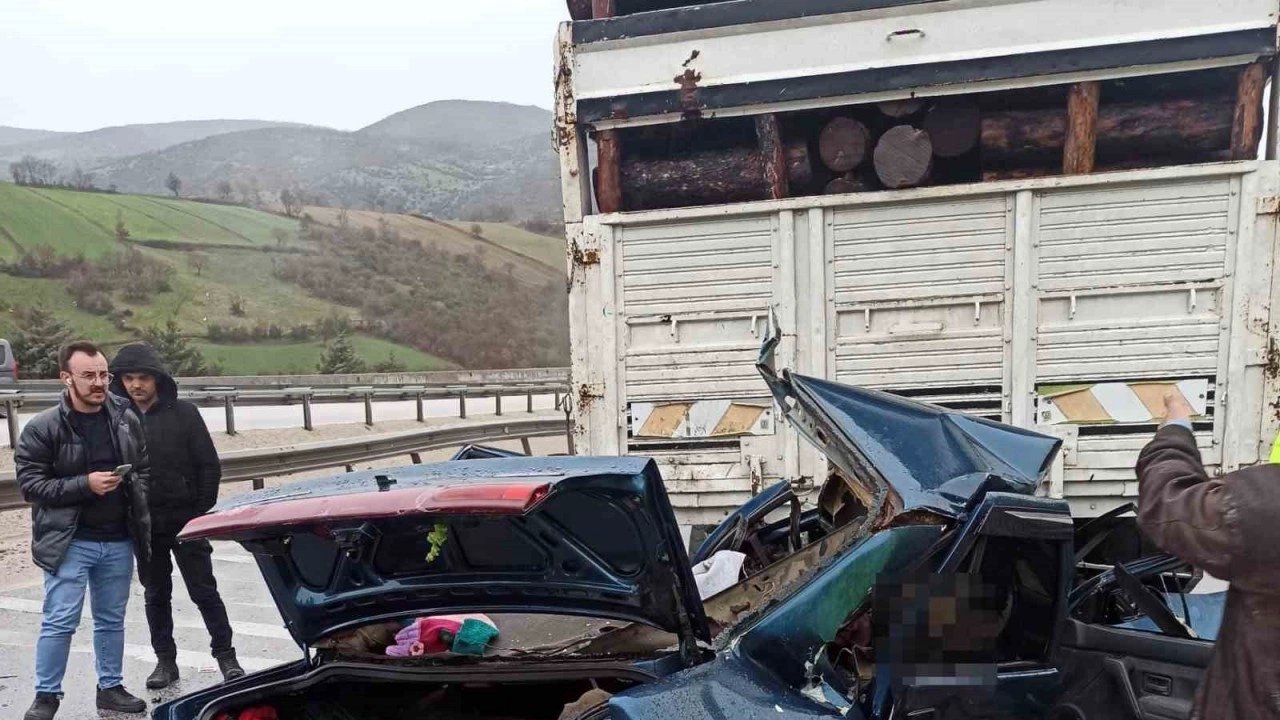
(185, 473)
(89, 520)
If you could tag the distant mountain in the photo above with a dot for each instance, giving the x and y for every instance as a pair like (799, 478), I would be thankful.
(98, 146)
(452, 159)
(13, 135)
(463, 122)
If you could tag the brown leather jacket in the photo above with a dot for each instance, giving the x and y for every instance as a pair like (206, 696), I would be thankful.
(1229, 527)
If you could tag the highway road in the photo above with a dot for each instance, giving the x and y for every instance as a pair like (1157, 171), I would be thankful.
(260, 637)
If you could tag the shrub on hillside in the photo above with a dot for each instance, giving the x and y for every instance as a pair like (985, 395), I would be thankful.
(179, 355)
(36, 343)
(340, 358)
(390, 365)
(131, 272)
(44, 262)
(448, 304)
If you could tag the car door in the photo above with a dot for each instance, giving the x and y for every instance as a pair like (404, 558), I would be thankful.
(1138, 643)
(1013, 559)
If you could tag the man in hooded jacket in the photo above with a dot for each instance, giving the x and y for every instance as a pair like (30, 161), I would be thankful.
(185, 474)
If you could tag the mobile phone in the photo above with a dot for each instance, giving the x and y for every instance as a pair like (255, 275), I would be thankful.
(120, 471)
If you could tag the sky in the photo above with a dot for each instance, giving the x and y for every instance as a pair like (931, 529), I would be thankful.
(75, 65)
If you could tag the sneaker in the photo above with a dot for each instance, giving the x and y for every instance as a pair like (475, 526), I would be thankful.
(165, 674)
(44, 707)
(118, 699)
(230, 667)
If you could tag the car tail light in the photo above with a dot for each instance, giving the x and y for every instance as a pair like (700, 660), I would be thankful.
(496, 497)
(507, 498)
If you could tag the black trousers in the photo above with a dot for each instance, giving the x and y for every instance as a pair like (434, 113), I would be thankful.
(195, 562)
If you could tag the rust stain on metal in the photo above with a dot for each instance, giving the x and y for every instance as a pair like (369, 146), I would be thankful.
(566, 129)
(688, 82)
(918, 517)
(581, 257)
(1272, 365)
(586, 397)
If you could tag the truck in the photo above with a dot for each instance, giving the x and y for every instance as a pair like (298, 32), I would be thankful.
(1045, 213)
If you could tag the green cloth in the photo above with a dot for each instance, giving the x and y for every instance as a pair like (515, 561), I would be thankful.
(473, 637)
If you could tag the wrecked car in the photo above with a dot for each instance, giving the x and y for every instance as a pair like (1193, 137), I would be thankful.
(929, 580)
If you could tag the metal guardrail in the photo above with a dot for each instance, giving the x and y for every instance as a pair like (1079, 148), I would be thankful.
(256, 465)
(432, 378)
(231, 396)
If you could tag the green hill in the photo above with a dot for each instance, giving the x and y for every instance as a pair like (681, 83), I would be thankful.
(221, 261)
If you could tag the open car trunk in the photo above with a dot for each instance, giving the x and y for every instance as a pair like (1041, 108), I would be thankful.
(366, 692)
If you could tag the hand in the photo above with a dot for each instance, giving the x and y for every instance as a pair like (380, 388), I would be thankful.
(1176, 407)
(103, 482)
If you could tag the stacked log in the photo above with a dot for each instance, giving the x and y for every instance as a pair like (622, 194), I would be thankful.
(1187, 128)
(903, 157)
(1080, 128)
(708, 178)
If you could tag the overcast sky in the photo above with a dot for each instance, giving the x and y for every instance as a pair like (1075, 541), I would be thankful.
(85, 64)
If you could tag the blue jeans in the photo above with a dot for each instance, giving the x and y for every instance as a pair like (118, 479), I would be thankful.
(106, 569)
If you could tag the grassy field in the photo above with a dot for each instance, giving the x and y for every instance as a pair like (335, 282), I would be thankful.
(301, 358)
(534, 258)
(52, 296)
(239, 250)
(546, 250)
(79, 222)
(197, 300)
(29, 220)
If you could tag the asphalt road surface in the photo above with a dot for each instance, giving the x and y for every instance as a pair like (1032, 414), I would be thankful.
(260, 637)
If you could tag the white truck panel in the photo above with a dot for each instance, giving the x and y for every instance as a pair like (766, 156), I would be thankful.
(969, 296)
(925, 33)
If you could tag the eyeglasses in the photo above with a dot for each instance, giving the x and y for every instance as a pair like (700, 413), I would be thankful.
(89, 377)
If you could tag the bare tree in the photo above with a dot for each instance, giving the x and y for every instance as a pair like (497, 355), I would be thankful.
(255, 191)
(174, 184)
(224, 190)
(81, 180)
(292, 202)
(31, 170)
(198, 262)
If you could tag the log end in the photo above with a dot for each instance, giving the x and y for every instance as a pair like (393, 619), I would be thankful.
(903, 157)
(843, 144)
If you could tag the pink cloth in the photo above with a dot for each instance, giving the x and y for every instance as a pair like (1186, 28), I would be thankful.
(423, 635)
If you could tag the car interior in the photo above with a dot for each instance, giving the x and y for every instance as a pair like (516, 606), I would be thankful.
(1139, 634)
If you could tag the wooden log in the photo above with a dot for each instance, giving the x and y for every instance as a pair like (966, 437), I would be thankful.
(954, 125)
(602, 9)
(1149, 161)
(903, 157)
(848, 184)
(1081, 143)
(608, 179)
(1246, 123)
(707, 178)
(769, 140)
(1031, 138)
(898, 109)
(843, 144)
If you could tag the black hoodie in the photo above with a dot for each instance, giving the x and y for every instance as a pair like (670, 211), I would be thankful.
(185, 471)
